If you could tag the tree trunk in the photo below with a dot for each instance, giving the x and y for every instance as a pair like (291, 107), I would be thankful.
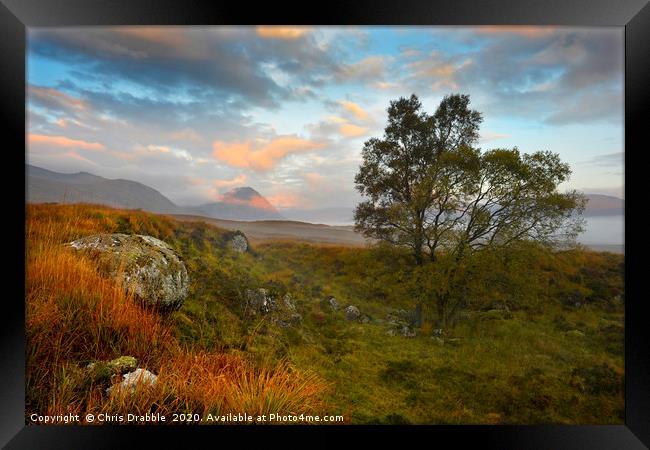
(440, 305)
(418, 240)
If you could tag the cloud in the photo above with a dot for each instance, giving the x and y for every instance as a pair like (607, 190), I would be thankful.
(186, 134)
(351, 130)
(63, 141)
(284, 200)
(281, 32)
(261, 156)
(438, 72)
(54, 99)
(355, 109)
(607, 160)
(607, 105)
(385, 85)
(170, 60)
(518, 30)
(238, 180)
(488, 136)
(371, 68)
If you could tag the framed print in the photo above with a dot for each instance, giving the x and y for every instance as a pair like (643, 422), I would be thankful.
(375, 218)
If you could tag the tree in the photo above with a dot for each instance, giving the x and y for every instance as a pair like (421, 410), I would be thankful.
(431, 190)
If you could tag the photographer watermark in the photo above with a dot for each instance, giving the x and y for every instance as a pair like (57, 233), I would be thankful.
(153, 418)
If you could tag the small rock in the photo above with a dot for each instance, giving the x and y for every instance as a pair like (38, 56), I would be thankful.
(496, 314)
(437, 332)
(352, 313)
(574, 334)
(132, 380)
(407, 332)
(331, 303)
(102, 370)
(288, 302)
(123, 364)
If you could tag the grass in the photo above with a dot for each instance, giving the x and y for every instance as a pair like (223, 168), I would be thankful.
(556, 358)
(75, 316)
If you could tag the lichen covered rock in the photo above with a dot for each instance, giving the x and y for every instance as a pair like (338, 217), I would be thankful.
(144, 266)
(238, 242)
(352, 313)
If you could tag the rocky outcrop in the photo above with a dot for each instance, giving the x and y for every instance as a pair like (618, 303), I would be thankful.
(281, 312)
(143, 265)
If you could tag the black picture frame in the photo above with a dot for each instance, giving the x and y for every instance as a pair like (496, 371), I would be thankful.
(17, 15)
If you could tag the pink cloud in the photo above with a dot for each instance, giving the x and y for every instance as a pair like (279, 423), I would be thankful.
(519, 30)
(57, 97)
(63, 141)
(355, 109)
(287, 200)
(261, 156)
(281, 32)
(241, 179)
(351, 130)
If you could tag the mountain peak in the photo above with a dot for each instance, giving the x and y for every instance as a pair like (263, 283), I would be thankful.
(242, 193)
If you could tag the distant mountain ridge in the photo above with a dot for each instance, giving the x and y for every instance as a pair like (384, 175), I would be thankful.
(243, 203)
(604, 205)
(47, 186)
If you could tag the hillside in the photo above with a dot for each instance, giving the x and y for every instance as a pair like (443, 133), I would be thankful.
(47, 186)
(270, 230)
(540, 342)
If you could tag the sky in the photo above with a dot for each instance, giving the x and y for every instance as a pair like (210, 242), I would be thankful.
(196, 111)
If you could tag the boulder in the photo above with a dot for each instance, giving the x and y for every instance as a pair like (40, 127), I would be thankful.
(352, 313)
(238, 242)
(134, 380)
(144, 266)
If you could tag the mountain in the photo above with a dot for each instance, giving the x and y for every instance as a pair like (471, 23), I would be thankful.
(604, 205)
(48, 186)
(44, 185)
(243, 203)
